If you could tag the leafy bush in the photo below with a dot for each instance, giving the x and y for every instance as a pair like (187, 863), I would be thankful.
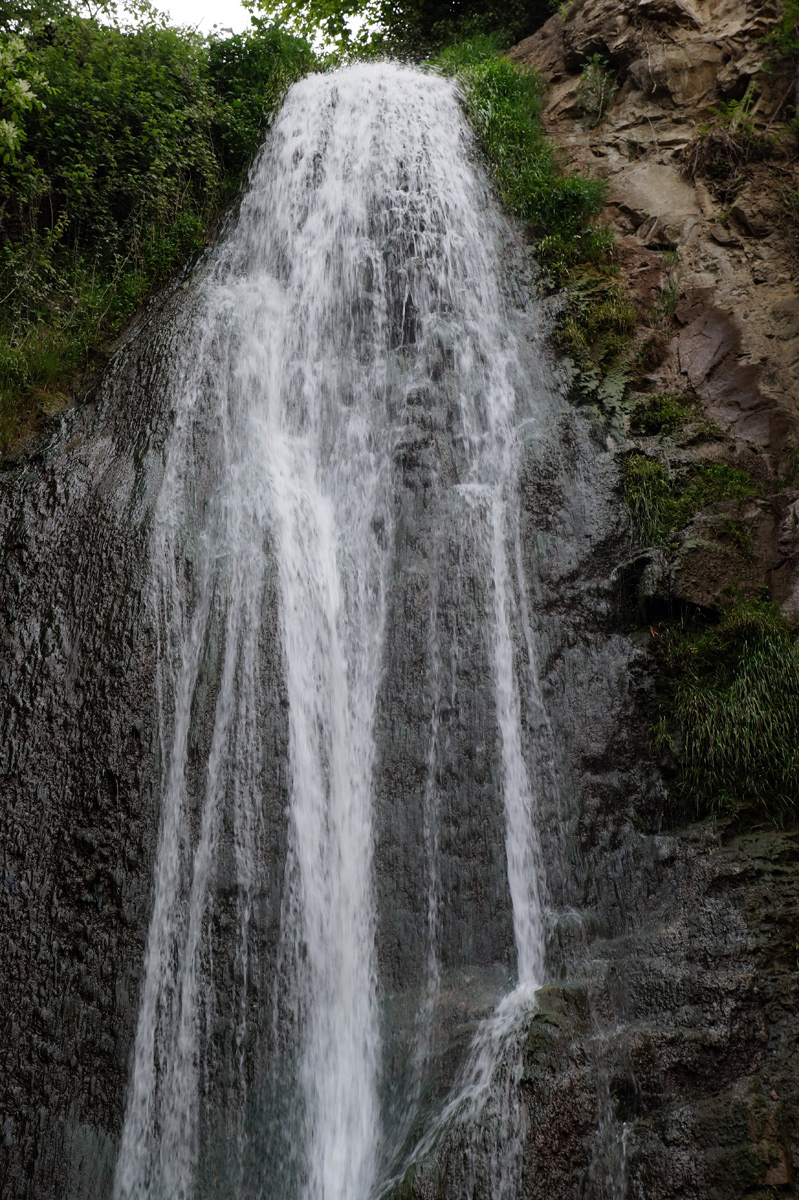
(118, 169)
(735, 701)
(405, 27)
(659, 505)
(503, 101)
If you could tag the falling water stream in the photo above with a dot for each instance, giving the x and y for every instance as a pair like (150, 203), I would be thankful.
(356, 372)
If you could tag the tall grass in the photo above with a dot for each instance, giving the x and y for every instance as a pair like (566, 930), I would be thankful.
(736, 704)
(660, 504)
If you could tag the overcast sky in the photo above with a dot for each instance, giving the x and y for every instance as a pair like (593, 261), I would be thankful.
(204, 14)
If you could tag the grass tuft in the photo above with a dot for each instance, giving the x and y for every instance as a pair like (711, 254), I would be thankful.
(648, 496)
(735, 702)
(664, 412)
(660, 504)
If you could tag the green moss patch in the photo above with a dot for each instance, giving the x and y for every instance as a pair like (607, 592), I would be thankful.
(668, 413)
(595, 331)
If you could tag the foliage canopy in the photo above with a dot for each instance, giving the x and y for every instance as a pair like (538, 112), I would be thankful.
(120, 142)
(414, 27)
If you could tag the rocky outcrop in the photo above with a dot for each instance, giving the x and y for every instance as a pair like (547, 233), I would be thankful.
(696, 1006)
(708, 226)
(663, 1062)
(79, 787)
(666, 1067)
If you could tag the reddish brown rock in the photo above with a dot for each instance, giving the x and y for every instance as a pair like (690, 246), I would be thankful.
(735, 338)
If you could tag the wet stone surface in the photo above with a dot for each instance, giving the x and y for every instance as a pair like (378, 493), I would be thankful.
(78, 818)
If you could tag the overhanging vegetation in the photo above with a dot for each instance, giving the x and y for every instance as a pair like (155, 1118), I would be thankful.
(120, 143)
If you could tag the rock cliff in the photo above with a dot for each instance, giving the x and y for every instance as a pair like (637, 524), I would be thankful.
(666, 1066)
(663, 1061)
(696, 1014)
(703, 176)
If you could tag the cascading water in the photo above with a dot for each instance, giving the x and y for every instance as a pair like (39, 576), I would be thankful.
(335, 529)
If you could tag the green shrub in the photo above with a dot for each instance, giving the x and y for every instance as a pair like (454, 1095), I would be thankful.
(594, 329)
(735, 702)
(596, 90)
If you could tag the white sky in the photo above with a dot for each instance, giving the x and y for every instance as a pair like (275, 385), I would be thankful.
(227, 14)
(204, 14)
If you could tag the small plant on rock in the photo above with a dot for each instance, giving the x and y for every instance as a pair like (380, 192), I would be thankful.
(721, 148)
(738, 536)
(664, 412)
(647, 494)
(736, 115)
(595, 329)
(783, 43)
(596, 90)
(793, 466)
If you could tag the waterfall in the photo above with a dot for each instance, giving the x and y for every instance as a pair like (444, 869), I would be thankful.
(355, 371)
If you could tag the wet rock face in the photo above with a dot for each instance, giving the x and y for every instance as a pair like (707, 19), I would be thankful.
(666, 1064)
(694, 1061)
(663, 1062)
(78, 818)
(430, 591)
